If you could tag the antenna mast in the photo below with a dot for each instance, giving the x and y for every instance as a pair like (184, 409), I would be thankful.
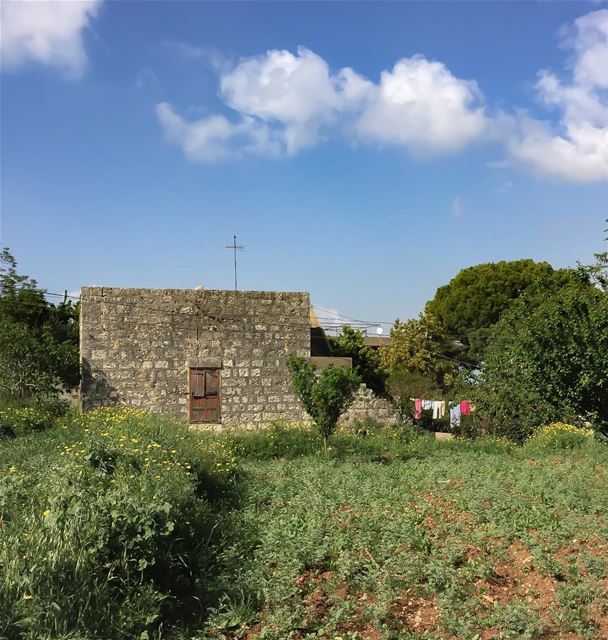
(235, 247)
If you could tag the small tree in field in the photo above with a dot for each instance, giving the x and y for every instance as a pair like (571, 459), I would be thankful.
(324, 395)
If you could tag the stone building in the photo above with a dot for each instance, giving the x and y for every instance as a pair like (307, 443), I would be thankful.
(205, 356)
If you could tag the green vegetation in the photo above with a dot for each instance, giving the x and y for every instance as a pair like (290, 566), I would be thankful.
(416, 346)
(548, 361)
(38, 340)
(476, 298)
(120, 524)
(110, 527)
(325, 395)
(366, 361)
(558, 436)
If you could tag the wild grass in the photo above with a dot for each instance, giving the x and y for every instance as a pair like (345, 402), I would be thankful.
(123, 525)
(110, 526)
(397, 535)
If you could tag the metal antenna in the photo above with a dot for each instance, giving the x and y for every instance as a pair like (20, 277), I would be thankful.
(235, 247)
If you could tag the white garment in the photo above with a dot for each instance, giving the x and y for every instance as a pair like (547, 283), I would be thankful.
(455, 417)
(427, 404)
(438, 409)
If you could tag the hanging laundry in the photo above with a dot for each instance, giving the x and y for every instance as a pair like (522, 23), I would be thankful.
(455, 416)
(438, 409)
(427, 405)
(466, 408)
(418, 408)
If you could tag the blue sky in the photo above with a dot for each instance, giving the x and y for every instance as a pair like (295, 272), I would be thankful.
(364, 152)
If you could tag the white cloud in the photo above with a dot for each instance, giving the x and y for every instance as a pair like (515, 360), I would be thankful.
(46, 32)
(577, 149)
(420, 104)
(298, 92)
(215, 138)
(579, 155)
(280, 103)
(298, 102)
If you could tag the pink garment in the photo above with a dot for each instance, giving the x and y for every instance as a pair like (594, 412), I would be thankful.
(465, 408)
(418, 407)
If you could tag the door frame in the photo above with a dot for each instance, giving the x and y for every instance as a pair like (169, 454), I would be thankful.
(219, 395)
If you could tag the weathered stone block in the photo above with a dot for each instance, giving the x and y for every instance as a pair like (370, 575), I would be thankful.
(137, 345)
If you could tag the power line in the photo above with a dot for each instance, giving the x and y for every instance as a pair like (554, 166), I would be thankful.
(197, 314)
(330, 324)
(334, 314)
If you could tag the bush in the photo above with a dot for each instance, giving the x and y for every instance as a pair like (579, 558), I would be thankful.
(558, 436)
(366, 361)
(547, 362)
(325, 395)
(15, 421)
(111, 526)
(38, 340)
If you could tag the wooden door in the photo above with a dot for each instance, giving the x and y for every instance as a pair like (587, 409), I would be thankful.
(204, 387)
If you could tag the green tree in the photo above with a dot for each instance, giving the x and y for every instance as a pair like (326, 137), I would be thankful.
(10, 280)
(476, 298)
(417, 346)
(366, 361)
(325, 394)
(38, 340)
(548, 361)
(402, 385)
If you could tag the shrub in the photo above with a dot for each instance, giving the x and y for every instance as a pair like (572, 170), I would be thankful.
(366, 361)
(17, 421)
(38, 340)
(325, 394)
(402, 385)
(558, 436)
(548, 362)
(111, 526)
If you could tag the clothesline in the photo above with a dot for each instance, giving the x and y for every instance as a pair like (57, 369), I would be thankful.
(457, 409)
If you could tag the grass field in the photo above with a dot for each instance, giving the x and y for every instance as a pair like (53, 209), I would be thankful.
(388, 536)
(459, 544)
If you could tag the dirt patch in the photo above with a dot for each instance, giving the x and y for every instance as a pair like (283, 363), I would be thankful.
(517, 579)
(417, 614)
(473, 553)
(317, 595)
(444, 510)
(312, 577)
(594, 546)
(599, 615)
(363, 631)
(341, 593)
(255, 631)
(357, 624)
(317, 603)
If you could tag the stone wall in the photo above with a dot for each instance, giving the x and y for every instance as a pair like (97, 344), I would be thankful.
(137, 346)
(366, 404)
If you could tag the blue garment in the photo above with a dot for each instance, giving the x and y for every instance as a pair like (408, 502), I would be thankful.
(455, 417)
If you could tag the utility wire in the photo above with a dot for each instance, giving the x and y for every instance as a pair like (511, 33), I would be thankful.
(325, 322)
(217, 318)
